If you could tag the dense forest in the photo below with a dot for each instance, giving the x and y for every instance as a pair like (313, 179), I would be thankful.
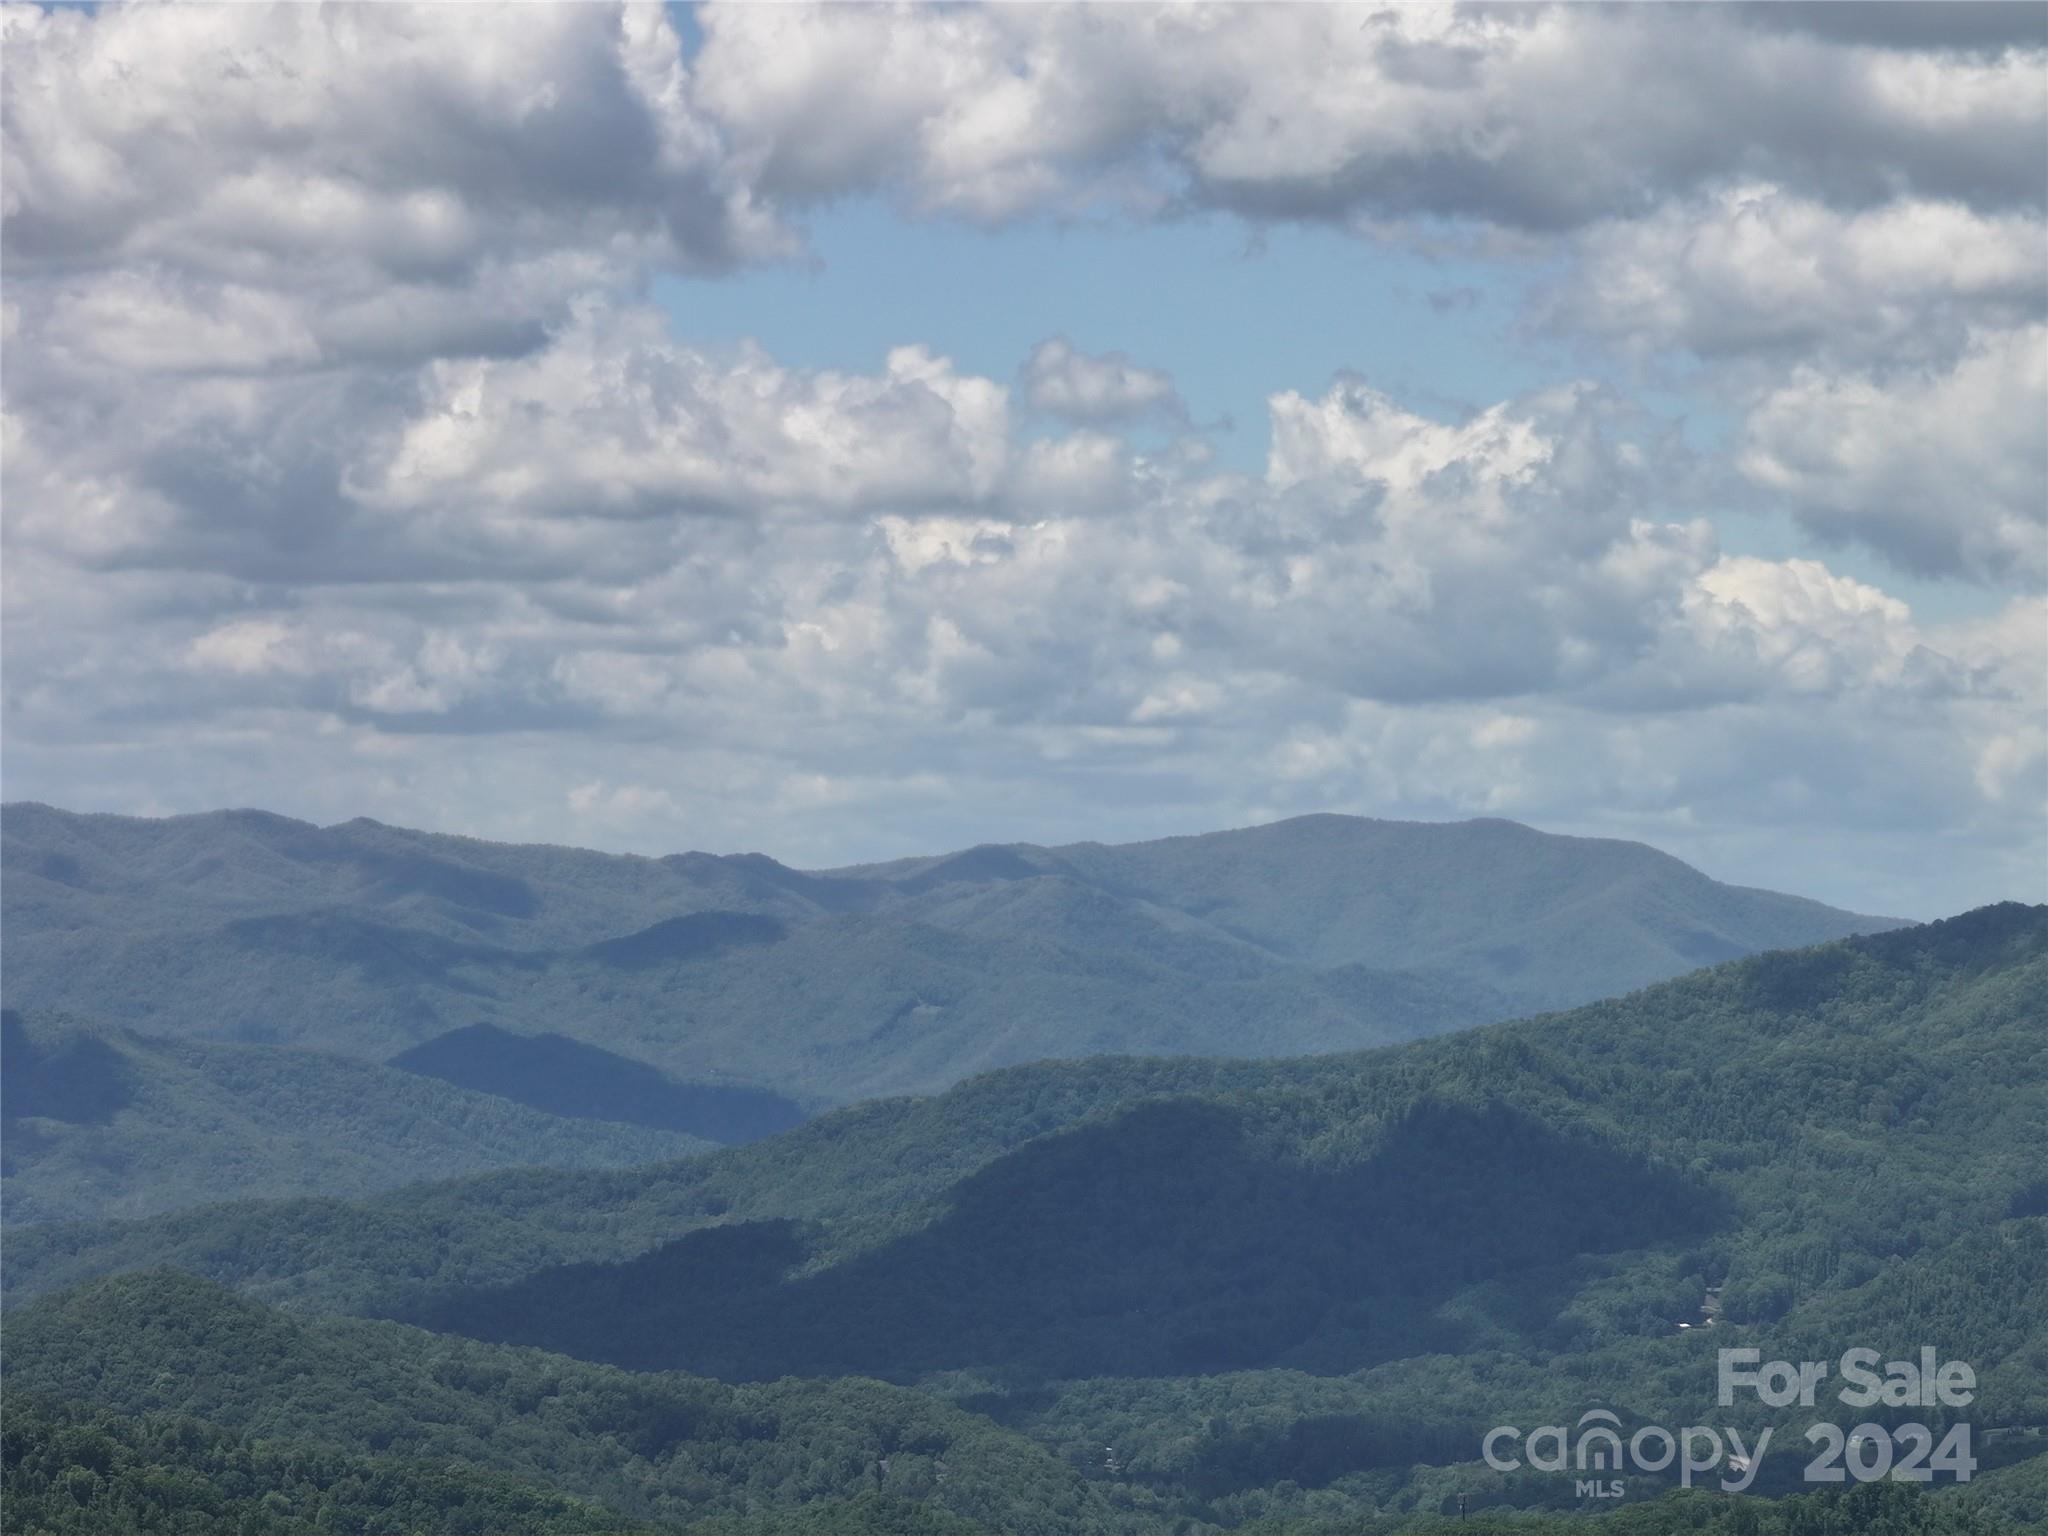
(76, 1471)
(657, 1445)
(96, 1121)
(1203, 1293)
(208, 1406)
(70, 1471)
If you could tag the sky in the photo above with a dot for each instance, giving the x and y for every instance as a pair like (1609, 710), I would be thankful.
(858, 431)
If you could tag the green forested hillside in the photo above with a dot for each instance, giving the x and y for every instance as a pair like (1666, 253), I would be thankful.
(104, 1122)
(1268, 1288)
(1917, 1052)
(1883, 1509)
(156, 1403)
(71, 1470)
(838, 1009)
(2017, 1491)
(656, 1446)
(1319, 934)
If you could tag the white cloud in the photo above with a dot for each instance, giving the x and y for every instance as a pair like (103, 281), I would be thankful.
(1096, 389)
(1355, 432)
(1796, 626)
(1406, 614)
(272, 184)
(613, 419)
(627, 804)
(1327, 112)
(251, 647)
(1946, 472)
(1755, 268)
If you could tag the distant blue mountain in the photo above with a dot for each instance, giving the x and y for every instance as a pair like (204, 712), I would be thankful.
(1317, 934)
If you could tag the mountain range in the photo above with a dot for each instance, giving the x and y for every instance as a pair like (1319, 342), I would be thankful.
(1318, 934)
(368, 1179)
(1219, 1291)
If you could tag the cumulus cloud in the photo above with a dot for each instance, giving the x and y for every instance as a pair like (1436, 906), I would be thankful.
(1096, 389)
(251, 648)
(1946, 471)
(1425, 615)
(1504, 116)
(273, 185)
(1890, 364)
(582, 455)
(1755, 269)
(614, 419)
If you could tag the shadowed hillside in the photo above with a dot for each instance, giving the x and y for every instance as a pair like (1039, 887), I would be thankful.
(105, 1122)
(566, 1077)
(1128, 1247)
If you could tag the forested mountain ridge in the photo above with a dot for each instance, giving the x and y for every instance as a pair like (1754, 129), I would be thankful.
(1318, 934)
(76, 1470)
(1918, 1050)
(377, 1428)
(1225, 1291)
(1502, 902)
(104, 1122)
(658, 1446)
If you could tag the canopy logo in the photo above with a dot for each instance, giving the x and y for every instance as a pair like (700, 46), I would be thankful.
(1596, 1446)
(1866, 1453)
